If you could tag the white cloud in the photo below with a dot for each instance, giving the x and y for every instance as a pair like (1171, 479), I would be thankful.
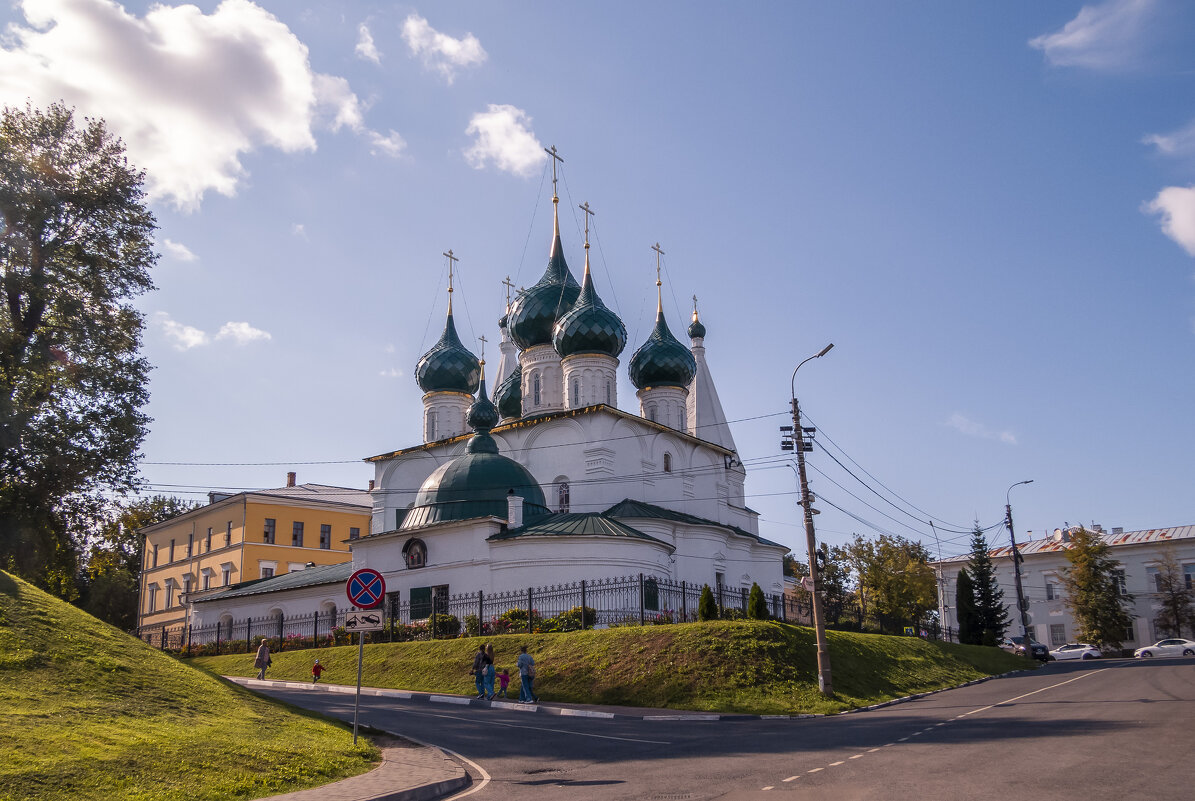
(177, 250)
(964, 425)
(504, 138)
(366, 49)
(1176, 206)
(392, 144)
(190, 93)
(1178, 143)
(439, 51)
(298, 230)
(184, 337)
(390, 372)
(1101, 37)
(242, 333)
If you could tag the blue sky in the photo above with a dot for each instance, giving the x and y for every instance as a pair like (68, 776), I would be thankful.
(989, 210)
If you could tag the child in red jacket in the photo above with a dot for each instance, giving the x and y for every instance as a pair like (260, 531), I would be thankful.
(316, 670)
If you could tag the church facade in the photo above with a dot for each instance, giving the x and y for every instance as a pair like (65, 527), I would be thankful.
(548, 481)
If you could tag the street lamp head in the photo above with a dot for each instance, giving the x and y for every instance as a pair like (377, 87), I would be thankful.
(825, 350)
(1019, 483)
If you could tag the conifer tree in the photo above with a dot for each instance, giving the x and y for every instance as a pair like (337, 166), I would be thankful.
(707, 608)
(970, 631)
(991, 615)
(757, 605)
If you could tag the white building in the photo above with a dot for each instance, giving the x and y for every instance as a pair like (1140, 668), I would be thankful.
(1042, 566)
(549, 482)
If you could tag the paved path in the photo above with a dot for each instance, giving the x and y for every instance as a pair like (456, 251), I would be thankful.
(409, 772)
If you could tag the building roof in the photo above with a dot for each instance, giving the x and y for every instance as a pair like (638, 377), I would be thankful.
(1051, 545)
(638, 509)
(357, 499)
(576, 525)
(449, 366)
(295, 579)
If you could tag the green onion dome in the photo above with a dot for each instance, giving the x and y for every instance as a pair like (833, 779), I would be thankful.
(509, 394)
(696, 329)
(535, 311)
(662, 361)
(589, 327)
(482, 415)
(476, 483)
(448, 366)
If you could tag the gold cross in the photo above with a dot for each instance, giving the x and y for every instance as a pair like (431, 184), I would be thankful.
(659, 253)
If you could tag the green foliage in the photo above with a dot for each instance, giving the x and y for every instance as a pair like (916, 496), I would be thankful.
(1093, 592)
(1175, 598)
(446, 625)
(991, 616)
(970, 629)
(572, 620)
(792, 567)
(76, 250)
(707, 607)
(88, 712)
(472, 626)
(757, 605)
(515, 620)
(834, 577)
(894, 577)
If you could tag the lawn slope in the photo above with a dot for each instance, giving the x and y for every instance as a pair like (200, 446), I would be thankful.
(87, 711)
(734, 666)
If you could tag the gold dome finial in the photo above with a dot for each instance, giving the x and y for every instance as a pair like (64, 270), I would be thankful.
(659, 292)
(695, 309)
(588, 213)
(482, 340)
(451, 259)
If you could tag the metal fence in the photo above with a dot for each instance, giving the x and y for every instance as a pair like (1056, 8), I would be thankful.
(627, 601)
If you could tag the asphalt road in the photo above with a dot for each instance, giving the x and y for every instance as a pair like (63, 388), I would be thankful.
(1081, 730)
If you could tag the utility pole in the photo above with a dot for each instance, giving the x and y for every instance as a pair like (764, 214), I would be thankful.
(819, 622)
(1022, 606)
(941, 586)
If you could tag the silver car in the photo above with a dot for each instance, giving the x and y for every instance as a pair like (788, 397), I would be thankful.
(1172, 647)
(1076, 650)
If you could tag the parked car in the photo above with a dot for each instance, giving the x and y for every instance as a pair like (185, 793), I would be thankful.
(1076, 650)
(1171, 647)
(1016, 644)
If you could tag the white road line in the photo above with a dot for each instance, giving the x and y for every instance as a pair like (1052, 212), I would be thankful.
(856, 756)
(901, 740)
(791, 778)
(872, 750)
(836, 764)
(769, 787)
(448, 699)
(814, 770)
(485, 777)
(540, 728)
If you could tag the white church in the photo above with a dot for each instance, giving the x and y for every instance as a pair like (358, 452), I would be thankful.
(548, 481)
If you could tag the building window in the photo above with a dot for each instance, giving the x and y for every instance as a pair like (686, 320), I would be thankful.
(1052, 595)
(651, 412)
(421, 600)
(190, 545)
(1189, 576)
(169, 594)
(207, 579)
(267, 572)
(1129, 634)
(354, 533)
(668, 463)
(1118, 577)
(153, 597)
(208, 548)
(225, 575)
(228, 535)
(186, 586)
(171, 554)
(415, 555)
(575, 393)
(155, 564)
(1057, 634)
(608, 401)
(296, 534)
(534, 391)
(268, 538)
(325, 536)
(431, 425)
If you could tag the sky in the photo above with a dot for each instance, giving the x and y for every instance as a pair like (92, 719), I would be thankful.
(989, 209)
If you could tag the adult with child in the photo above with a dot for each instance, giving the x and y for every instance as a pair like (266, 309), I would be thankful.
(526, 664)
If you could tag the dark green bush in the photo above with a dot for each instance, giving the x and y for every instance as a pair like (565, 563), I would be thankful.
(707, 607)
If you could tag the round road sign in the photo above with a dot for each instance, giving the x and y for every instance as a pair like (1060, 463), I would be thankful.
(366, 589)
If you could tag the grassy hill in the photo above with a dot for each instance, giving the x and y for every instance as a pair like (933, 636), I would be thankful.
(87, 711)
(739, 666)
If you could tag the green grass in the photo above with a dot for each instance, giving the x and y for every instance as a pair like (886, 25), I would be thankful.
(739, 666)
(88, 712)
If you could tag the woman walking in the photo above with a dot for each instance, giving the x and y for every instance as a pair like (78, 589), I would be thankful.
(263, 659)
(526, 676)
(489, 671)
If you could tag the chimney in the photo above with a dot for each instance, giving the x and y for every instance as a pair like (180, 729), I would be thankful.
(290, 479)
(1117, 531)
(514, 509)
(371, 485)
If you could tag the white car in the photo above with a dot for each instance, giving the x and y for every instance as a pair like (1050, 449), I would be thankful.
(1076, 650)
(1171, 647)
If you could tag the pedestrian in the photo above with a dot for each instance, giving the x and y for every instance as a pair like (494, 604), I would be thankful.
(263, 659)
(503, 680)
(478, 670)
(316, 670)
(526, 664)
(489, 671)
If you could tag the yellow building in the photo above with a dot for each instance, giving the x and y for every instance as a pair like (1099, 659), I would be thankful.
(244, 537)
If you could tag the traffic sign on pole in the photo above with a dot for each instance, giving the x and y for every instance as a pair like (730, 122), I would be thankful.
(366, 588)
(363, 621)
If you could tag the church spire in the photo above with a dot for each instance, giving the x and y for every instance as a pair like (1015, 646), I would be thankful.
(659, 291)
(451, 261)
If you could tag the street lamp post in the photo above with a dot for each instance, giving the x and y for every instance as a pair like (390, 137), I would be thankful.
(1022, 607)
(819, 623)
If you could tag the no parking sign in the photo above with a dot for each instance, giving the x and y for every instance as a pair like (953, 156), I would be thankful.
(366, 588)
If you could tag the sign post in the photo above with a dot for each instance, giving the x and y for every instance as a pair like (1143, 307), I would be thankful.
(366, 590)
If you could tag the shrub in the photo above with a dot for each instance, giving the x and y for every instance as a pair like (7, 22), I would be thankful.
(707, 608)
(515, 620)
(730, 613)
(472, 625)
(572, 620)
(446, 625)
(757, 606)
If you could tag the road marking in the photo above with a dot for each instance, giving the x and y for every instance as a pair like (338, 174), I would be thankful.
(887, 745)
(936, 725)
(901, 740)
(540, 728)
(485, 777)
(917, 733)
(791, 778)
(1035, 692)
(872, 750)
(584, 713)
(856, 756)
(814, 770)
(769, 787)
(448, 699)
(836, 764)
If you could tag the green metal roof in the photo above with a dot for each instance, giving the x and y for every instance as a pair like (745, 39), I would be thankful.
(639, 509)
(448, 366)
(576, 525)
(589, 327)
(662, 361)
(536, 310)
(295, 579)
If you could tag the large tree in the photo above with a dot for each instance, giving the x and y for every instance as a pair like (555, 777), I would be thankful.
(991, 616)
(1174, 597)
(1094, 591)
(970, 630)
(893, 573)
(76, 246)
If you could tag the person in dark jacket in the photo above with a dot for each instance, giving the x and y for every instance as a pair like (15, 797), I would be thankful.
(479, 670)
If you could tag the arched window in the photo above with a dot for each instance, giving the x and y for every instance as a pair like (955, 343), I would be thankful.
(414, 554)
(651, 412)
(575, 393)
(608, 401)
(431, 425)
(562, 497)
(668, 463)
(535, 389)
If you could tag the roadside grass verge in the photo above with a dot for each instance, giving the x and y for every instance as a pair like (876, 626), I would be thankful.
(88, 712)
(728, 666)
